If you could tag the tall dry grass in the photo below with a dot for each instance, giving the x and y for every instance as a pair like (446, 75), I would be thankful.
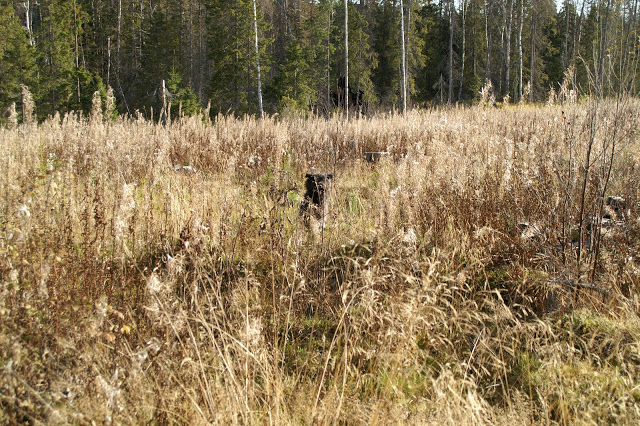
(446, 287)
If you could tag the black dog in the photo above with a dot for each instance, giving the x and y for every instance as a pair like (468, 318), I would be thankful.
(316, 198)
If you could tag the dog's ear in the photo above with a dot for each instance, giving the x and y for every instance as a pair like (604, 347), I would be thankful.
(330, 176)
(308, 175)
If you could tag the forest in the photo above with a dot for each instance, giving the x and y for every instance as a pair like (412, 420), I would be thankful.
(294, 56)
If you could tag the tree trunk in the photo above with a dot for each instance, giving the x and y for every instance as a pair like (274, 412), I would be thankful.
(630, 68)
(533, 48)
(626, 31)
(408, 48)
(330, 17)
(285, 9)
(520, 24)
(27, 19)
(487, 63)
(464, 39)
(404, 67)
(507, 71)
(118, 24)
(75, 33)
(255, 31)
(565, 53)
(108, 60)
(450, 52)
(577, 34)
(600, 76)
(164, 112)
(118, 38)
(346, 59)
(503, 30)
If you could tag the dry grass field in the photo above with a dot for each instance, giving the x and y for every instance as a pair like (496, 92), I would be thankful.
(476, 275)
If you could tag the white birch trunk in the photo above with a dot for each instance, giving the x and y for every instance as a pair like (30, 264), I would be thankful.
(346, 59)
(255, 31)
(507, 72)
(27, 16)
(533, 49)
(487, 63)
(520, 22)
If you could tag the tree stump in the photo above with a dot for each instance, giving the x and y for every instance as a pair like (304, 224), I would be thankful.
(373, 157)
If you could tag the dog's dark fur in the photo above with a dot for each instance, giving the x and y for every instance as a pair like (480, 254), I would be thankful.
(615, 208)
(315, 203)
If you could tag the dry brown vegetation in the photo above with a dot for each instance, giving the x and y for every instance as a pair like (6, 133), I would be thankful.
(465, 279)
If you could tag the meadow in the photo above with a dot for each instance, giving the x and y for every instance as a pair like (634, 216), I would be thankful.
(479, 274)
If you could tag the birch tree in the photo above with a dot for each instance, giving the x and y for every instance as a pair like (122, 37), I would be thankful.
(520, 25)
(507, 53)
(346, 59)
(257, 51)
(487, 38)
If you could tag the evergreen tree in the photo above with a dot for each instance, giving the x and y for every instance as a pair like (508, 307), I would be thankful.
(17, 59)
(233, 84)
(183, 96)
(553, 70)
(543, 44)
(363, 60)
(292, 88)
(386, 77)
(56, 41)
(65, 84)
(414, 46)
(432, 27)
(320, 50)
(160, 56)
(475, 51)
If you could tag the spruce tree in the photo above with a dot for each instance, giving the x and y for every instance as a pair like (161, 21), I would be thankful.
(17, 60)
(55, 40)
(231, 52)
(362, 57)
(386, 77)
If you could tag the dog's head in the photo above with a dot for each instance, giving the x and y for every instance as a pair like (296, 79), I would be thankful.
(316, 186)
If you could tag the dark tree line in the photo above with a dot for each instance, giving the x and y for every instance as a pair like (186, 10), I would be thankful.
(411, 52)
